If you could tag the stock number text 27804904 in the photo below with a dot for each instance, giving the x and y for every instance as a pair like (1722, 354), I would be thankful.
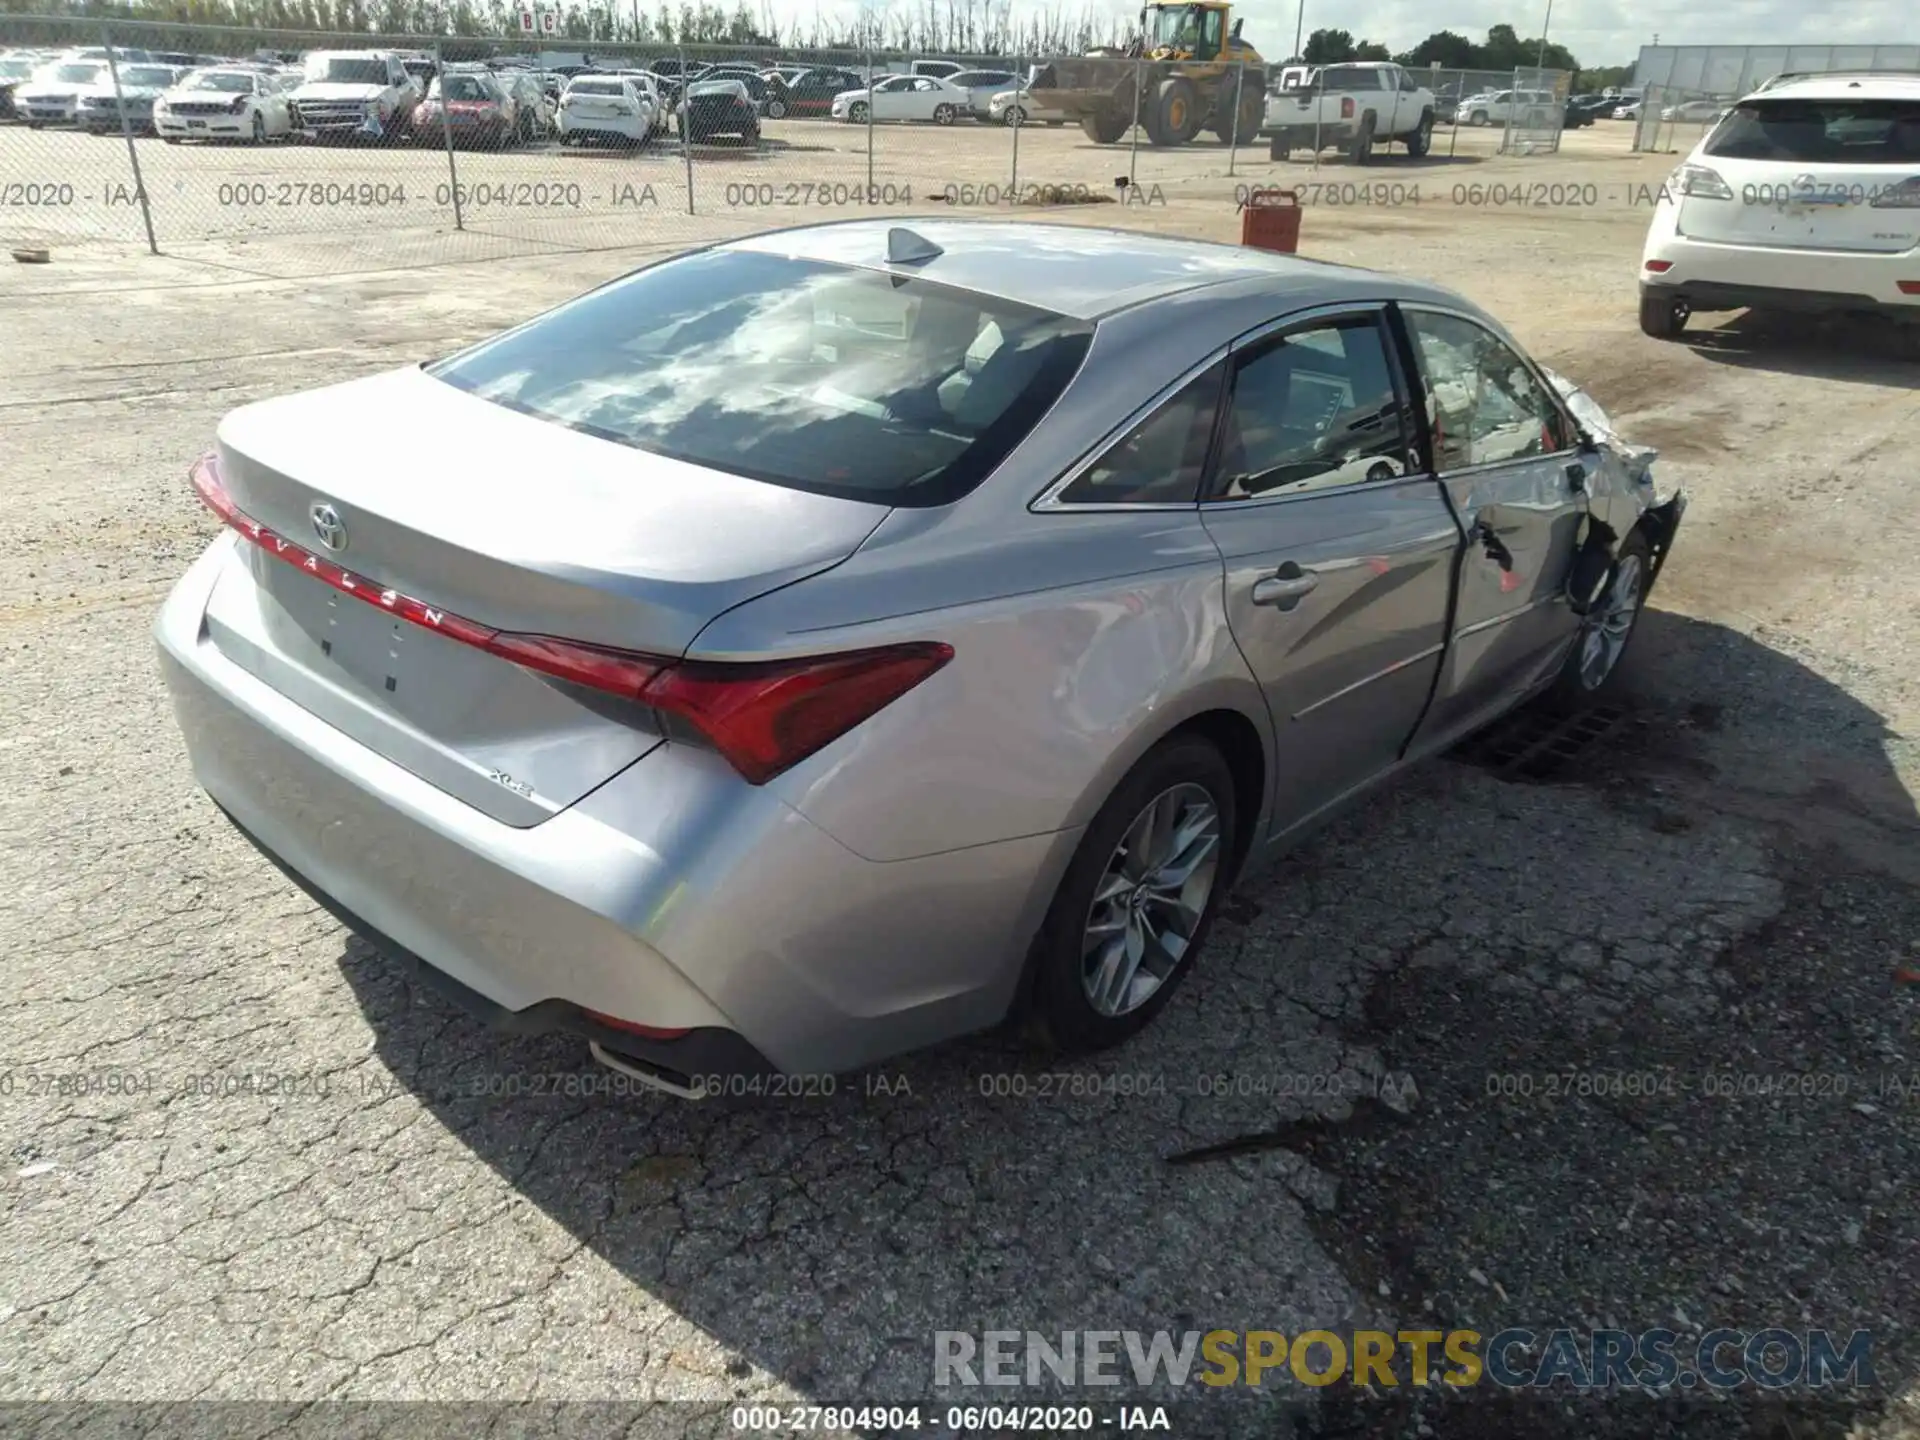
(815, 194)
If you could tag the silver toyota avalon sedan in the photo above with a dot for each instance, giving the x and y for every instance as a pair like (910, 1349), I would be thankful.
(823, 643)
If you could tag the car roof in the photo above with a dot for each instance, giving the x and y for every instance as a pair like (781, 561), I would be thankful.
(1844, 85)
(1083, 271)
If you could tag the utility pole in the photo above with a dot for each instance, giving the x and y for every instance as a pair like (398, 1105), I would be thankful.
(1299, 25)
(1545, 25)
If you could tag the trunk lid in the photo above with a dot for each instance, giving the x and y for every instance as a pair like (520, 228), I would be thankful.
(512, 522)
(1838, 174)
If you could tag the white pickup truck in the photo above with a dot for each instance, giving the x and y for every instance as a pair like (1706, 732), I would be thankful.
(1348, 107)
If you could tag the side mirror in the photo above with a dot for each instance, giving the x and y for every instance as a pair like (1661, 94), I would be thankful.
(1234, 34)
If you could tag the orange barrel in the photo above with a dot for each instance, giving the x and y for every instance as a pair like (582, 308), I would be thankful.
(1270, 219)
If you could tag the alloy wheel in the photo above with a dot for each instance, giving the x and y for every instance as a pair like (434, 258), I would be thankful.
(1150, 900)
(1604, 636)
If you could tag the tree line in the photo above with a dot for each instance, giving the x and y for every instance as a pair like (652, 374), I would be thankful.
(1503, 50)
(924, 27)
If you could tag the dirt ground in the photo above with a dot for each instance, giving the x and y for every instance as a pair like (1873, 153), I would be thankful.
(1719, 890)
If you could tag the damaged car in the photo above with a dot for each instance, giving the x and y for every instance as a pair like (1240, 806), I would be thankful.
(822, 643)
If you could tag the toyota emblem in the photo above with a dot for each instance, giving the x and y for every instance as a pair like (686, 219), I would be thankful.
(328, 525)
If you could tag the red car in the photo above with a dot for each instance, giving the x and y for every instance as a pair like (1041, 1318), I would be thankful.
(478, 111)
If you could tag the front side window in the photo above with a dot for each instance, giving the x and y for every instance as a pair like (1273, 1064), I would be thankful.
(1314, 409)
(1484, 404)
(1160, 460)
(841, 381)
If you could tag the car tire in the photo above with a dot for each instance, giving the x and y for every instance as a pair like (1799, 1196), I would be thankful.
(857, 113)
(1361, 152)
(1188, 774)
(776, 109)
(943, 114)
(1479, 117)
(1014, 118)
(171, 139)
(1663, 316)
(1592, 667)
(1421, 141)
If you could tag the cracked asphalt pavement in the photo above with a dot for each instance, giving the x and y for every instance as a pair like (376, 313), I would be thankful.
(1364, 1110)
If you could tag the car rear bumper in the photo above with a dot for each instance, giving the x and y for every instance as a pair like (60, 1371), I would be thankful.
(632, 127)
(1713, 276)
(673, 897)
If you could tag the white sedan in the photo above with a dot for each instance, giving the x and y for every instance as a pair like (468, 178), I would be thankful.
(608, 107)
(904, 97)
(225, 103)
(1694, 111)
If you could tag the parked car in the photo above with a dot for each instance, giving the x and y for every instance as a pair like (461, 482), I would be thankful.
(981, 86)
(15, 71)
(657, 711)
(1505, 107)
(468, 107)
(1694, 112)
(354, 92)
(1351, 108)
(52, 96)
(715, 109)
(140, 86)
(813, 91)
(533, 109)
(1627, 110)
(225, 102)
(607, 107)
(1806, 197)
(904, 97)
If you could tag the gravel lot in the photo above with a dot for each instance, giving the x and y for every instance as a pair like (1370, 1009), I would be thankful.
(1723, 885)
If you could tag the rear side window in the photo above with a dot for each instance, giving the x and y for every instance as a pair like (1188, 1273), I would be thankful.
(820, 377)
(1807, 132)
(1160, 460)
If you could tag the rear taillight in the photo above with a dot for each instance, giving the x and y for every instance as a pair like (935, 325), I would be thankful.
(1908, 287)
(1346, 107)
(1904, 196)
(762, 717)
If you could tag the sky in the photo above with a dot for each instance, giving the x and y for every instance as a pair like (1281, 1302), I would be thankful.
(1598, 32)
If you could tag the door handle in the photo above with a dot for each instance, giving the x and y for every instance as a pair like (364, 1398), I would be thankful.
(1577, 476)
(1284, 589)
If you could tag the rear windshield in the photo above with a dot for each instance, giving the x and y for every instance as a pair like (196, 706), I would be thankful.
(148, 76)
(596, 87)
(1843, 132)
(818, 377)
(463, 87)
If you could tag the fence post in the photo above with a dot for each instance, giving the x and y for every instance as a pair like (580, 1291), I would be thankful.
(446, 138)
(1233, 145)
(686, 124)
(871, 82)
(1459, 95)
(1133, 155)
(1513, 105)
(1319, 103)
(1020, 109)
(133, 155)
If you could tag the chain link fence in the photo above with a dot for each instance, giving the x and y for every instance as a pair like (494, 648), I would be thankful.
(349, 151)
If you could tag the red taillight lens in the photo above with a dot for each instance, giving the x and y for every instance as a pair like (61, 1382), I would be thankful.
(633, 1027)
(1909, 287)
(1659, 267)
(1346, 107)
(762, 718)
(767, 718)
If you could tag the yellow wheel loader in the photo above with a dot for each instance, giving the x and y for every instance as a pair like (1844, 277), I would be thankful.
(1187, 70)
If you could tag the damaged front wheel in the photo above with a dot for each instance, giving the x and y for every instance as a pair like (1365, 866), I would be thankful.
(1605, 631)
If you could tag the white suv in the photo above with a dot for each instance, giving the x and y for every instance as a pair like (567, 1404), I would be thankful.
(1805, 197)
